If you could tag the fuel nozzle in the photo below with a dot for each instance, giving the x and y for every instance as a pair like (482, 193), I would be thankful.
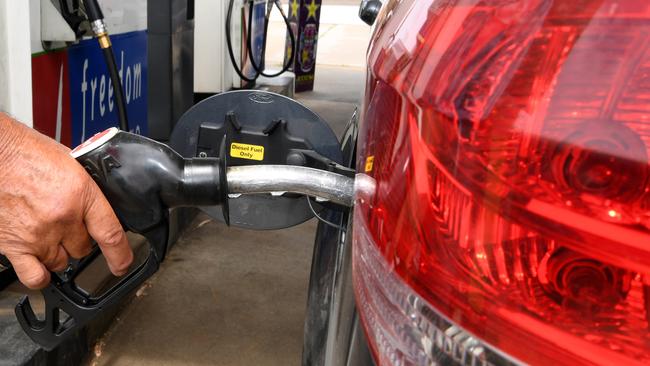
(142, 178)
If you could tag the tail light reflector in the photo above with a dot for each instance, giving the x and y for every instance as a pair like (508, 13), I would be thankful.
(509, 144)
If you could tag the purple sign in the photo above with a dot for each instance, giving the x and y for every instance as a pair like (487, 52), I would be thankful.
(304, 16)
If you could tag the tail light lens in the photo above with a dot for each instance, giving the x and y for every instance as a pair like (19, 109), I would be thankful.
(509, 142)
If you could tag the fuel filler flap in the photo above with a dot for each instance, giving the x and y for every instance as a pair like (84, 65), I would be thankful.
(260, 128)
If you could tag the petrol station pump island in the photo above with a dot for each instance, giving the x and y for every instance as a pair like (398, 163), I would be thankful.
(120, 91)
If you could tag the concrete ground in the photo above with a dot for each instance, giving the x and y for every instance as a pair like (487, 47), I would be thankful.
(224, 296)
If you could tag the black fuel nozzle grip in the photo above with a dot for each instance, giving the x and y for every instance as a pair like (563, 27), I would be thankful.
(142, 179)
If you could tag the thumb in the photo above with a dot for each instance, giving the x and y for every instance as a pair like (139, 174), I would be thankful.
(30, 271)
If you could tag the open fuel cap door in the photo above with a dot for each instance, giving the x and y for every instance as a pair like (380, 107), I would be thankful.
(260, 128)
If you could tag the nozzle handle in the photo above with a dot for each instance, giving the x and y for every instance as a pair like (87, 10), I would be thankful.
(142, 179)
(62, 294)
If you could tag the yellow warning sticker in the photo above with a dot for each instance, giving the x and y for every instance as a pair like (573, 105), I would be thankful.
(370, 162)
(246, 151)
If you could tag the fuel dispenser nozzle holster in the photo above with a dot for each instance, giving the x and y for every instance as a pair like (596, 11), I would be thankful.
(142, 179)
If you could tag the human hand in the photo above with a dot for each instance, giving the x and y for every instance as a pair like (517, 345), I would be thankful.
(50, 207)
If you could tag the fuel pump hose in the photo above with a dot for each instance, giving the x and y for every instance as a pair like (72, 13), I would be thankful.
(249, 28)
(231, 53)
(249, 43)
(96, 20)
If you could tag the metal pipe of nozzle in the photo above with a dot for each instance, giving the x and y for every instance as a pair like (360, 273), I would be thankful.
(251, 179)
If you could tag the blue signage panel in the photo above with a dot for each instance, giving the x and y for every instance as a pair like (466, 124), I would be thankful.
(92, 97)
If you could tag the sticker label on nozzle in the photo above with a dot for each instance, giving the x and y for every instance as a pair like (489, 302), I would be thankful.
(246, 151)
(94, 142)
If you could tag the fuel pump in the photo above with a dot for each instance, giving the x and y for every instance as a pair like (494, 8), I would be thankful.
(256, 59)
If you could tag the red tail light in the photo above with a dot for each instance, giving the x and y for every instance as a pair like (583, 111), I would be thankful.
(509, 142)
